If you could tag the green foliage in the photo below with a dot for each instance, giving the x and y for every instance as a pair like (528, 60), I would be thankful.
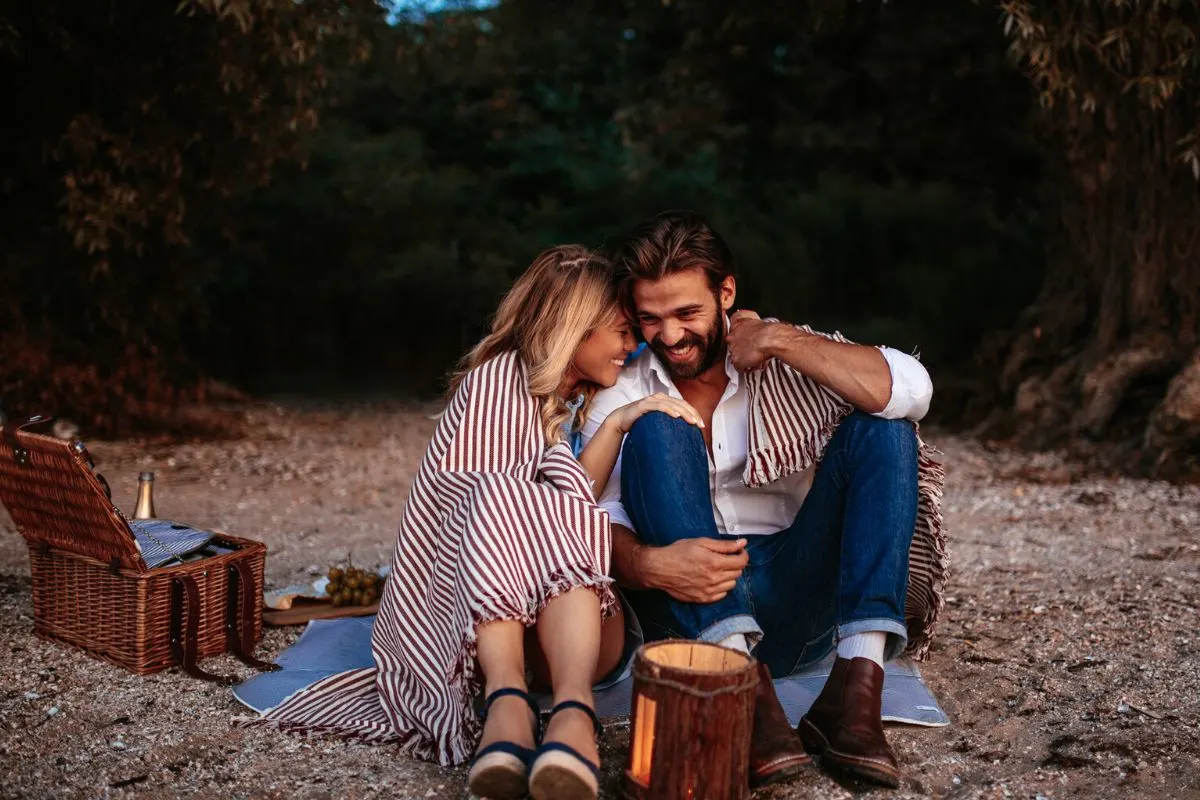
(1119, 84)
(129, 125)
(873, 173)
(1096, 55)
(870, 164)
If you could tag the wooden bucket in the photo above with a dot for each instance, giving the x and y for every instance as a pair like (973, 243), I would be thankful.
(693, 710)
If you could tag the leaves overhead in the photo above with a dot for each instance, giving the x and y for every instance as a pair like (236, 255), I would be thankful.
(276, 191)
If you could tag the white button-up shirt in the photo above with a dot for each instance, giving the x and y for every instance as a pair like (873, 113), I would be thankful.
(739, 510)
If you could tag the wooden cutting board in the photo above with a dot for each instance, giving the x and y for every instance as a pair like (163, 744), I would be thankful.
(302, 612)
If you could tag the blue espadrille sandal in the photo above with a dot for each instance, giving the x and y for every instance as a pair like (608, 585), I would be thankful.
(559, 771)
(500, 771)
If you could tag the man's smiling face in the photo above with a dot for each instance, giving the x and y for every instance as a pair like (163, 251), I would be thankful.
(682, 320)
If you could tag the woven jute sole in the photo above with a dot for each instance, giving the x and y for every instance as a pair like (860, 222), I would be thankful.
(559, 776)
(498, 776)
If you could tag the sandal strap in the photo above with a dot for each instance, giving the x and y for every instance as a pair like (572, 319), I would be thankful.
(575, 704)
(513, 749)
(571, 751)
(529, 701)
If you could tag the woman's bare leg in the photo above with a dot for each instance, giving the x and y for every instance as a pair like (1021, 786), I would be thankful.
(501, 654)
(612, 647)
(569, 632)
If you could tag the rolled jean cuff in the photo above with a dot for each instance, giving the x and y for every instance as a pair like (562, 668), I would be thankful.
(897, 633)
(739, 623)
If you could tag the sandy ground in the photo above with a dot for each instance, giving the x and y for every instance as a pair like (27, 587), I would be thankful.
(1067, 660)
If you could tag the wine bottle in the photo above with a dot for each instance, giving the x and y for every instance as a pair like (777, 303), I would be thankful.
(145, 497)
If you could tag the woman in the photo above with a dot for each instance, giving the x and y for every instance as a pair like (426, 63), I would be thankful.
(501, 532)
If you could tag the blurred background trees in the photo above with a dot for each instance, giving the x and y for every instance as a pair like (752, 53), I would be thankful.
(130, 129)
(329, 196)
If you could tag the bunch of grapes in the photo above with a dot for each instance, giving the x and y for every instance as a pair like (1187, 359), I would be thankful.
(353, 587)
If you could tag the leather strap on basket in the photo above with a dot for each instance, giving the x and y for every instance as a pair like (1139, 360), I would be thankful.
(239, 629)
(185, 625)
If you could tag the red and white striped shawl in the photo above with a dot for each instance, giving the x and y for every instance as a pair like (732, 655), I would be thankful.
(792, 418)
(495, 525)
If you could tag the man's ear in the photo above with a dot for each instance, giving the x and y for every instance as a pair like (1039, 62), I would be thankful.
(727, 293)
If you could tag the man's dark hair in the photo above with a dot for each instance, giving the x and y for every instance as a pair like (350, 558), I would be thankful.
(671, 242)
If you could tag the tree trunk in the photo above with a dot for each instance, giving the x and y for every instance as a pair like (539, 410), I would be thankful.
(1110, 351)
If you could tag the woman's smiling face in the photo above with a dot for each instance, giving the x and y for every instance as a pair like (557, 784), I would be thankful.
(601, 355)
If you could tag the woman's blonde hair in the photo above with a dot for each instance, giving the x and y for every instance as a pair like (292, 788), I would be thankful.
(567, 292)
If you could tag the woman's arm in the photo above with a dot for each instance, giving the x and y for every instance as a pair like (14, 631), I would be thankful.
(600, 454)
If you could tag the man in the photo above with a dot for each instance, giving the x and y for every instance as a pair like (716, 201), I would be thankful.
(789, 570)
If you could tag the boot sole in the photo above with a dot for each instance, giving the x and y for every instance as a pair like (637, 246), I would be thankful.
(778, 774)
(867, 769)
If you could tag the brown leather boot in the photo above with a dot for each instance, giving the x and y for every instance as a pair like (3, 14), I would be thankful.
(844, 726)
(776, 752)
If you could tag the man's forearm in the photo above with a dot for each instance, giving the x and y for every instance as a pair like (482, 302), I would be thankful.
(858, 373)
(628, 557)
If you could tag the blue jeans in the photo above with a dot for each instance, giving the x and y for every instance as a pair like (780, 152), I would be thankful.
(841, 567)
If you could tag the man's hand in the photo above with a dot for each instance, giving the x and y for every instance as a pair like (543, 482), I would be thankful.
(750, 340)
(695, 570)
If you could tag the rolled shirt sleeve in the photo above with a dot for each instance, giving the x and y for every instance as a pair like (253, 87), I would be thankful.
(603, 404)
(912, 389)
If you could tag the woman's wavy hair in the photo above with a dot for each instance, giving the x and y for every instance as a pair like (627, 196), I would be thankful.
(567, 292)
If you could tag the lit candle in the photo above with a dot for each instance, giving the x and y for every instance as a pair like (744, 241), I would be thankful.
(643, 748)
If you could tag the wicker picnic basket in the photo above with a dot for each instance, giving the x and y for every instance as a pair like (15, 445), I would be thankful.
(91, 588)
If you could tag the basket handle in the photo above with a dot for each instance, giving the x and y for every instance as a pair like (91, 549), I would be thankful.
(185, 625)
(19, 451)
(239, 630)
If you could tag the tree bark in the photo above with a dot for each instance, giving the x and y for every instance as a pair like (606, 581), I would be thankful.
(1108, 353)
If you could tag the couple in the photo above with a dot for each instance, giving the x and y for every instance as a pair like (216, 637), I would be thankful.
(746, 482)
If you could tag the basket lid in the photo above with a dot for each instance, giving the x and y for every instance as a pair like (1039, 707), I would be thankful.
(55, 498)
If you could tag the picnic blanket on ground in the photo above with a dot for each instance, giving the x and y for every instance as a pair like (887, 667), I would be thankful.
(332, 646)
(792, 418)
(496, 524)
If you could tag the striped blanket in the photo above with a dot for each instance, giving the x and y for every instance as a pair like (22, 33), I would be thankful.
(496, 525)
(792, 418)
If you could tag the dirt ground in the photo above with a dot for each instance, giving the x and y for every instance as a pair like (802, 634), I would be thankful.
(1067, 659)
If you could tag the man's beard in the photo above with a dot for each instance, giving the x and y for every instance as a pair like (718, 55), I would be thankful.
(709, 348)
